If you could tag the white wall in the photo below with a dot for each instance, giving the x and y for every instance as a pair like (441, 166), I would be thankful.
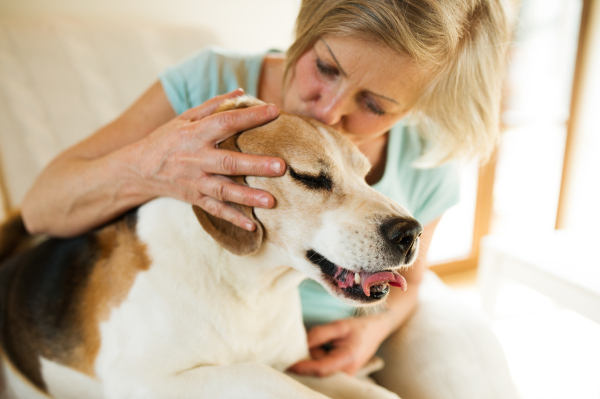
(243, 24)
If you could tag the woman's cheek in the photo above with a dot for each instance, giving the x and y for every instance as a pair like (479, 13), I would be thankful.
(364, 123)
(308, 79)
(309, 86)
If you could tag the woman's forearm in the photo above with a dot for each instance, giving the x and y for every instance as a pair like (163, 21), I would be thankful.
(146, 153)
(73, 195)
(93, 181)
(400, 306)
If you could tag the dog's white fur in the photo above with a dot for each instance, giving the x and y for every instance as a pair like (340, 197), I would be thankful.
(202, 322)
(238, 318)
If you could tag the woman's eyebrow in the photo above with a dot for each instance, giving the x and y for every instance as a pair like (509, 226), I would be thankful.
(335, 59)
(345, 74)
(385, 98)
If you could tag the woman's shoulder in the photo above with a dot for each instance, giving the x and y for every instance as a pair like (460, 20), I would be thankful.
(406, 146)
(215, 56)
(218, 58)
(208, 73)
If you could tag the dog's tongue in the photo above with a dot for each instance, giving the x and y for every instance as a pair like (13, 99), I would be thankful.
(367, 280)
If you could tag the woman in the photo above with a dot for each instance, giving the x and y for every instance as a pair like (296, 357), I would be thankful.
(379, 71)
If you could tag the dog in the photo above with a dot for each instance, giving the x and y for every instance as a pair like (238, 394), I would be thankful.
(171, 302)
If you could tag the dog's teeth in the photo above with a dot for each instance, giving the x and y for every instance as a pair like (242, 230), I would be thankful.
(357, 278)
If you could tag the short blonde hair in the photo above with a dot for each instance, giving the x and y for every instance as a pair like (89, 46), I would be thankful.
(461, 43)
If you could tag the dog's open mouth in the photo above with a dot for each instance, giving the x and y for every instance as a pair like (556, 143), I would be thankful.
(363, 285)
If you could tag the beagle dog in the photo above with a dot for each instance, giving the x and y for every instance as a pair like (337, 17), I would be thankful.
(170, 302)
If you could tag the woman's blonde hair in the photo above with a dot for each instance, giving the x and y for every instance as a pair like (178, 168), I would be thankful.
(461, 43)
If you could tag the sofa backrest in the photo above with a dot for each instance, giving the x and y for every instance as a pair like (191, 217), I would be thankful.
(61, 79)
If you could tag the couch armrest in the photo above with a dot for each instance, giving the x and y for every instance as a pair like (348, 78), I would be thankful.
(4, 202)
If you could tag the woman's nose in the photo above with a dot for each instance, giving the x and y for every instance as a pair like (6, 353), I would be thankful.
(331, 109)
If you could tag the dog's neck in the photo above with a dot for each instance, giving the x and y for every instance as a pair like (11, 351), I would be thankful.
(195, 258)
(231, 309)
(254, 274)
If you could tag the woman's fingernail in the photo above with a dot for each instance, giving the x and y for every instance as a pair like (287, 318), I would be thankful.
(241, 90)
(275, 167)
(272, 110)
(264, 201)
(249, 226)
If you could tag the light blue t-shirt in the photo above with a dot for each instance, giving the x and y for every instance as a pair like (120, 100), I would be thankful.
(426, 193)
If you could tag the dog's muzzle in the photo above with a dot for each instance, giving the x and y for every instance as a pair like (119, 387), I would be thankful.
(401, 234)
(401, 242)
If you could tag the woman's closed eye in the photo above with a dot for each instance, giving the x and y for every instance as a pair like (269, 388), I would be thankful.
(326, 70)
(371, 104)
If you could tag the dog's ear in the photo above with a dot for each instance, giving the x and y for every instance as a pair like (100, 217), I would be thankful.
(236, 240)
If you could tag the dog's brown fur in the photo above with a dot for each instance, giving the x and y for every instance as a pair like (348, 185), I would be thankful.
(98, 271)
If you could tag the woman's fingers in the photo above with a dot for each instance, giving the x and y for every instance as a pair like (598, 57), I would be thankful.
(336, 360)
(225, 189)
(219, 127)
(187, 146)
(320, 335)
(223, 211)
(339, 357)
(225, 162)
(217, 190)
(210, 106)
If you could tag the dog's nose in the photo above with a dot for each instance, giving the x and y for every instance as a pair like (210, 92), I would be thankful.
(402, 233)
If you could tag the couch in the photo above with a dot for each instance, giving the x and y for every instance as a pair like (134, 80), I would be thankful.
(61, 79)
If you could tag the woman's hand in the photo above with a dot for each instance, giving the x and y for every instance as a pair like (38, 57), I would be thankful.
(148, 152)
(344, 345)
(180, 159)
(347, 345)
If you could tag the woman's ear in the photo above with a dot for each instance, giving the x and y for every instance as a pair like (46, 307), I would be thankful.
(235, 239)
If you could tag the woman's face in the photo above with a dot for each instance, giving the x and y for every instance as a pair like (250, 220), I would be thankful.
(358, 87)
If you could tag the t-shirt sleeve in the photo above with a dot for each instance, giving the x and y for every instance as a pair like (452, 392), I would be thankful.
(208, 73)
(182, 83)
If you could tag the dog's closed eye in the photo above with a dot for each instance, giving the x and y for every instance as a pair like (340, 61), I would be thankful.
(320, 182)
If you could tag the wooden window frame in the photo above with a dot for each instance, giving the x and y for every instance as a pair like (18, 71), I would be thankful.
(585, 31)
(485, 183)
(481, 227)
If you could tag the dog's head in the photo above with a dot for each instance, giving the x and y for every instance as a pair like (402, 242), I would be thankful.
(337, 230)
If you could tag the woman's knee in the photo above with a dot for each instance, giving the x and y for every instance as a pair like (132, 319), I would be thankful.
(445, 350)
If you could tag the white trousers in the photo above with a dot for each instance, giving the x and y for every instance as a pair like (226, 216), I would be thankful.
(446, 350)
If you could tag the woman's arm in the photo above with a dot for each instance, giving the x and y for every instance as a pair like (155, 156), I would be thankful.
(355, 340)
(145, 153)
(401, 305)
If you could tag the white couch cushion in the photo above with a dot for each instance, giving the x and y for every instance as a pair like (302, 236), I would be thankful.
(61, 79)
